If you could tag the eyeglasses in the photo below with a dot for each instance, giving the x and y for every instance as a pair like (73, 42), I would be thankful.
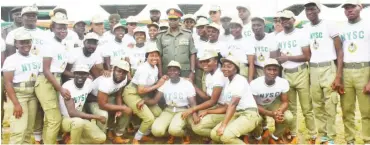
(189, 22)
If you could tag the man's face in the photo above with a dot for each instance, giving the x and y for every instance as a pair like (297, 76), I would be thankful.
(189, 23)
(119, 75)
(60, 31)
(312, 12)
(258, 27)
(17, 17)
(153, 31)
(90, 45)
(277, 25)
(236, 29)
(80, 78)
(215, 15)
(155, 15)
(352, 12)
(131, 27)
(173, 72)
(173, 22)
(213, 33)
(119, 32)
(29, 18)
(243, 13)
(271, 72)
(202, 30)
(287, 23)
(79, 28)
(140, 37)
(98, 28)
(112, 23)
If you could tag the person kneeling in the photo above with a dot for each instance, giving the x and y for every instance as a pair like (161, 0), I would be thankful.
(75, 121)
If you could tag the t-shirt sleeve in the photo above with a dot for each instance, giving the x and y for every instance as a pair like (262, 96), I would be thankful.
(9, 65)
(103, 87)
(72, 57)
(219, 80)
(190, 90)
(249, 49)
(141, 76)
(285, 86)
(237, 91)
(333, 29)
(105, 50)
(254, 88)
(10, 38)
(304, 40)
(271, 39)
(161, 89)
(98, 59)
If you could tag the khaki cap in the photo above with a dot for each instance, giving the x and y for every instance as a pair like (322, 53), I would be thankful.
(22, 35)
(189, 16)
(287, 14)
(174, 13)
(97, 19)
(231, 59)
(174, 63)
(202, 22)
(153, 24)
(122, 64)
(244, 7)
(60, 18)
(132, 19)
(208, 53)
(258, 18)
(351, 2)
(272, 61)
(118, 26)
(81, 68)
(237, 21)
(91, 35)
(30, 9)
(215, 8)
(152, 48)
(215, 25)
(139, 29)
(316, 2)
(79, 21)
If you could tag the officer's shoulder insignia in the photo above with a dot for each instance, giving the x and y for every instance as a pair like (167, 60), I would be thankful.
(186, 30)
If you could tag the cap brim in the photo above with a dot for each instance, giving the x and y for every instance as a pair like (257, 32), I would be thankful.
(91, 39)
(173, 66)
(241, 7)
(278, 65)
(197, 25)
(24, 39)
(228, 60)
(210, 26)
(86, 71)
(346, 4)
(79, 22)
(149, 25)
(36, 12)
(62, 22)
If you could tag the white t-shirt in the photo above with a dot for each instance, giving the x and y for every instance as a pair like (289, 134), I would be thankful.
(239, 48)
(321, 41)
(265, 94)
(108, 35)
(151, 43)
(136, 56)
(2, 45)
(59, 54)
(216, 80)
(239, 87)
(78, 95)
(26, 68)
(177, 94)
(263, 48)
(200, 45)
(77, 57)
(70, 40)
(115, 50)
(291, 44)
(356, 41)
(145, 75)
(39, 38)
(106, 85)
(217, 46)
(247, 30)
(128, 39)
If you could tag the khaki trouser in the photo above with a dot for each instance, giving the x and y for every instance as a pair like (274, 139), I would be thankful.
(83, 131)
(279, 127)
(244, 70)
(171, 121)
(354, 81)
(200, 81)
(21, 129)
(39, 122)
(242, 123)
(118, 124)
(299, 83)
(324, 98)
(48, 98)
(147, 113)
(206, 124)
(259, 71)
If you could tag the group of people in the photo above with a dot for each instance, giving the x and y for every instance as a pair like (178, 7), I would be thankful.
(216, 76)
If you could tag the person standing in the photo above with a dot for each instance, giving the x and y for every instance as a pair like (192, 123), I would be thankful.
(263, 44)
(113, 21)
(129, 39)
(153, 30)
(294, 49)
(326, 69)
(20, 72)
(189, 23)
(79, 27)
(355, 36)
(277, 24)
(17, 18)
(48, 83)
(155, 15)
(244, 14)
(200, 43)
(177, 44)
(76, 124)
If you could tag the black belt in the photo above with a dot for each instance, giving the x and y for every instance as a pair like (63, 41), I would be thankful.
(294, 70)
(320, 64)
(25, 84)
(356, 65)
(54, 74)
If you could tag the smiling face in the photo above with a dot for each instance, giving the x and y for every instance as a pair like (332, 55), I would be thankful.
(312, 12)
(119, 32)
(271, 72)
(79, 28)
(215, 16)
(153, 31)
(29, 19)
(140, 37)
(80, 78)
(23, 46)
(173, 72)
(189, 24)
(209, 64)
(213, 33)
(287, 23)
(153, 58)
(60, 31)
(98, 28)
(229, 69)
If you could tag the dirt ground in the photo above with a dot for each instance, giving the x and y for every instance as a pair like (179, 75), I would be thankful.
(303, 133)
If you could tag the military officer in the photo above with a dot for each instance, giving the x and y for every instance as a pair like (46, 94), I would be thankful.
(16, 16)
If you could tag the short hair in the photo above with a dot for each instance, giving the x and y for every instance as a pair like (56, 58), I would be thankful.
(114, 16)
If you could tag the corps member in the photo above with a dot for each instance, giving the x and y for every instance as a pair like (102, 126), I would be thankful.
(131, 26)
(241, 48)
(136, 54)
(241, 114)
(20, 73)
(200, 43)
(113, 21)
(179, 94)
(263, 44)
(143, 85)
(294, 50)
(271, 94)
(76, 123)
(48, 83)
(153, 30)
(85, 55)
(326, 69)
(17, 18)
(214, 42)
(244, 14)
(212, 109)
(79, 27)
(355, 36)
(106, 100)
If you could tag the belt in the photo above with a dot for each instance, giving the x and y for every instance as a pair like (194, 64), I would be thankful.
(356, 65)
(176, 109)
(25, 84)
(248, 109)
(294, 70)
(54, 74)
(320, 64)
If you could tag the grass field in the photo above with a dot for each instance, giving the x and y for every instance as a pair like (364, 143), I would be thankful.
(303, 134)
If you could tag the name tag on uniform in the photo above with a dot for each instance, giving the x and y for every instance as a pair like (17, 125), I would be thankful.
(184, 42)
